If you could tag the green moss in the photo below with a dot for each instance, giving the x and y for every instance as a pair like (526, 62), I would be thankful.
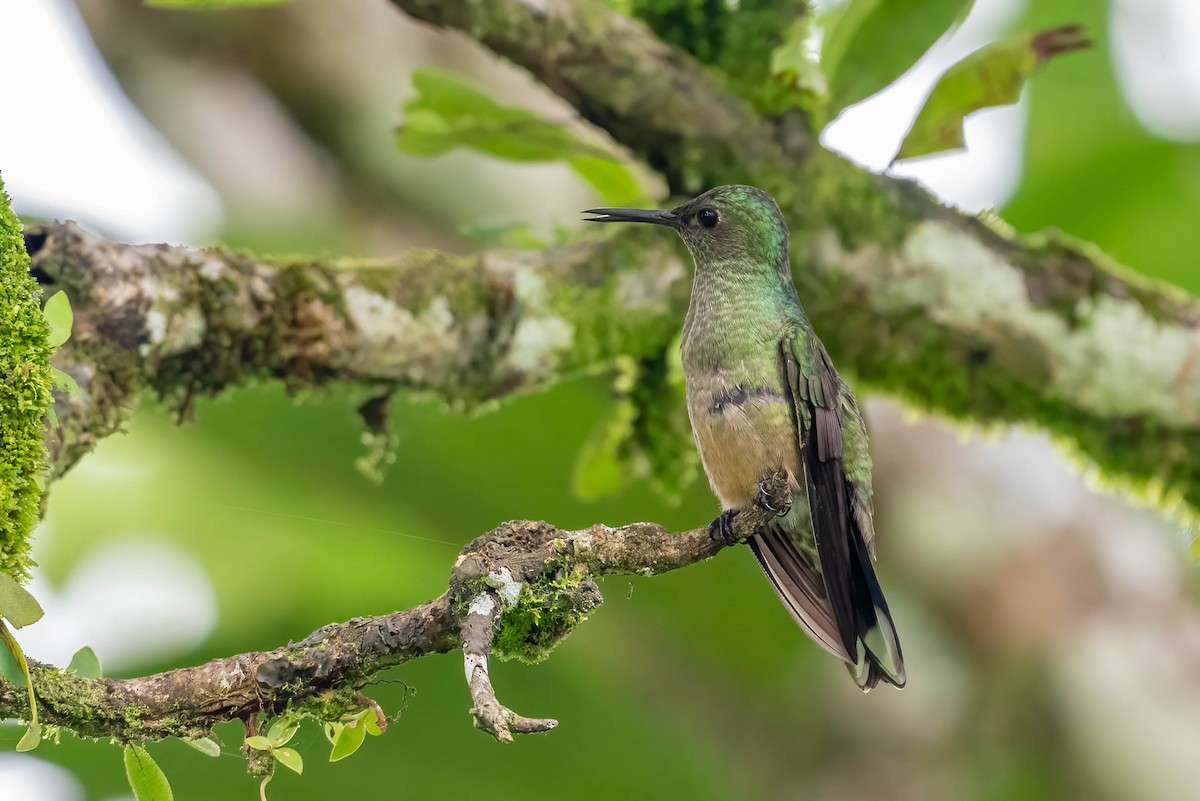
(547, 610)
(1155, 462)
(329, 705)
(25, 382)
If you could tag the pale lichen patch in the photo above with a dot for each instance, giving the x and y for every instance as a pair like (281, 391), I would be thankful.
(173, 332)
(536, 341)
(1113, 359)
(504, 583)
(212, 269)
(483, 604)
(156, 329)
(396, 343)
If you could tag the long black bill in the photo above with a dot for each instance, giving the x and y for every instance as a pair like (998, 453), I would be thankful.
(656, 216)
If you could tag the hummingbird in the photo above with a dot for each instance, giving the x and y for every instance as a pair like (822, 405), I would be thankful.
(763, 396)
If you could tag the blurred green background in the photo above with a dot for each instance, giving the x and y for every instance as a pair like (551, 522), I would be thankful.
(1052, 633)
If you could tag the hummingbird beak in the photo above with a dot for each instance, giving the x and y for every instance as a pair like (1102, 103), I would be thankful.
(656, 216)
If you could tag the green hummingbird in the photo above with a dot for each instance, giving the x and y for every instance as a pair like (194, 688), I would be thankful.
(763, 395)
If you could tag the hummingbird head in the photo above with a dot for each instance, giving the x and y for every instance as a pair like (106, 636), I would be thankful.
(728, 224)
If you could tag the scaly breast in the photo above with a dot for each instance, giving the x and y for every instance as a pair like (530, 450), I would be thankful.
(744, 430)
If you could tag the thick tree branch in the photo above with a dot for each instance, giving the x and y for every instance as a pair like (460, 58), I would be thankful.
(517, 590)
(186, 322)
(955, 314)
(956, 317)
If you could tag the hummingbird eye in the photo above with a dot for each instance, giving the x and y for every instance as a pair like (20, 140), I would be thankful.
(708, 217)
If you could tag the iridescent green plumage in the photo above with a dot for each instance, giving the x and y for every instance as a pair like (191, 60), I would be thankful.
(763, 395)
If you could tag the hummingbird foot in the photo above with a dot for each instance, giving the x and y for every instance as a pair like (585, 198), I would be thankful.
(721, 529)
(770, 499)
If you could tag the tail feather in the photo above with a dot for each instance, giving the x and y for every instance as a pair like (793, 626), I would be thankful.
(876, 654)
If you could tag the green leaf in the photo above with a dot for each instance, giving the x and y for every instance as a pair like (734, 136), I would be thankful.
(505, 234)
(205, 745)
(795, 71)
(602, 466)
(873, 42)
(59, 317)
(85, 664)
(611, 179)
(146, 778)
(349, 739)
(64, 382)
(290, 758)
(33, 735)
(991, 76)
(332, 730)
(31, 738)
(17, 606)
(282, 730)
(371, 717)
(447, 114)
(259, 742)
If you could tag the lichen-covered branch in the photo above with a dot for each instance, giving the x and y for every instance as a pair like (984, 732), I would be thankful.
(954, 316)
(187, 323)
(950, 312)
(516, 591)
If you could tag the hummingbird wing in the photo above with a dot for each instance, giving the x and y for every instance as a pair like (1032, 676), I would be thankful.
(840, 581)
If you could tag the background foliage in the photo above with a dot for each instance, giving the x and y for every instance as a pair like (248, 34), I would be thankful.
(692, 685)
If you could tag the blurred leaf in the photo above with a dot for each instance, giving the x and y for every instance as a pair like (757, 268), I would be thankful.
(200, 5)
(348, 740)
(146, 778)
(59, 317)
(205, 745)
(85, 664)
(503, 235)
(662, 431)
(611, 179)
(33, 734)
(66, 383)
(796, 70)
(282, 731)
(17, 605)
(645, 432)
(991, 76)
(447, 113)
(873, 42)
(258, 742)
(602, 465)
(290, 758)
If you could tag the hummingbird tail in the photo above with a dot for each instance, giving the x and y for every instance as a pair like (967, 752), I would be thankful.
(873, 651)
(879, 657)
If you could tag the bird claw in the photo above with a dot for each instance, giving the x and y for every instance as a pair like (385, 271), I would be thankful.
(721, 529)
(768, 502)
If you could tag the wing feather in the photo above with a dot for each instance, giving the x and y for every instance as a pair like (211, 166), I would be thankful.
(832, 593)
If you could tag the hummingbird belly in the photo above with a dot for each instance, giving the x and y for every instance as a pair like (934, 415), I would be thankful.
(744, 433)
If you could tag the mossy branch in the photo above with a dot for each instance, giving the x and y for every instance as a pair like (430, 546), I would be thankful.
(539, 582)
(953, 313)
(954, 317)
(25, 382)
